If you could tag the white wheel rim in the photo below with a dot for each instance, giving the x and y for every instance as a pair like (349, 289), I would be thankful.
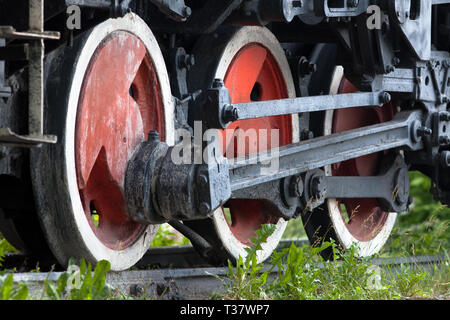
(241, 38)
(119, 259)
(345, 238)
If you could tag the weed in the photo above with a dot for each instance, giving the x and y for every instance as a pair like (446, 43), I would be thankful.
(78, 283)
(303, 274)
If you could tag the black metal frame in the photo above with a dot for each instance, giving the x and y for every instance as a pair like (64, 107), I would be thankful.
(377, 70)
(413, 76)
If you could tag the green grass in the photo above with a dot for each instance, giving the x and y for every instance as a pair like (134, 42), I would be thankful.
(421, 231)
(166, 237)
(304, 275)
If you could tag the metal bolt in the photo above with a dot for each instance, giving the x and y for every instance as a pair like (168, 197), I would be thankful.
(230, 114)
(305, 67)
(296, 187)
(202, 179)
(218, 83)
(389, 68)
(306, 135)
(385, 97)
(186, 61)
(424, 131)
(317, 186)
(352, 3)
(445, 158)
(153, 136)
(187, 11)
(444, 140)
(204, 208)
(444, 116)
(395, 61)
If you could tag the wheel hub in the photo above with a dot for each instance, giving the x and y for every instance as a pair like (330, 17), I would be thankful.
(116, 111)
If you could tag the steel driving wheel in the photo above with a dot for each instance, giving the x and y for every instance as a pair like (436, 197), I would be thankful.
(112, 89)
(352, 221)
(253, 66)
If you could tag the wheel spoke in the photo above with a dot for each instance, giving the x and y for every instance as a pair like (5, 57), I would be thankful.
(120, 128)
(244, 72)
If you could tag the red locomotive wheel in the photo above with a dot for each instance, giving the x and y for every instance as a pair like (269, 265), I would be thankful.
(118, 91)
(254, 68)
(358, 221)
(115, 112)
(253, 75)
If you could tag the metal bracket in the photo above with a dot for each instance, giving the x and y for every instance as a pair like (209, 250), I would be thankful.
(414, 19)
(5, 91)
(344, 8)
(391, 188)
(36, 36)
(175, 9)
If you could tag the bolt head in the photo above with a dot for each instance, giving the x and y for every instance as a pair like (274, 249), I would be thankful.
(352, 3)
(296, 187)
(204, 208)
(385, 97)
(318, 187)
(389, 69)
(202, 180)
(445, 159)
(153, 136)
(187, 11)
(218, 83)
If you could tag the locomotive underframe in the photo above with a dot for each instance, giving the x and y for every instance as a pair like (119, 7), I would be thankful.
(416, 78)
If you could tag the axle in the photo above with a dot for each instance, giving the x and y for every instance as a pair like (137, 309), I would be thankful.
(159, 190)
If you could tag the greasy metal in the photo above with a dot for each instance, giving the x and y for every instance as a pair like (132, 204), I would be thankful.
(158, 190)
(182, 196)
(262, 109)
(9, 32)
(175, 9)
(414, 19)
(322, 151)
(391, 188)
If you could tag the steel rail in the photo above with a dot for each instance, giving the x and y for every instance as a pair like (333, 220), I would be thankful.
(196, 283)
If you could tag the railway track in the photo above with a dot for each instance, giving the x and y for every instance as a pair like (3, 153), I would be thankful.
(178, 273)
